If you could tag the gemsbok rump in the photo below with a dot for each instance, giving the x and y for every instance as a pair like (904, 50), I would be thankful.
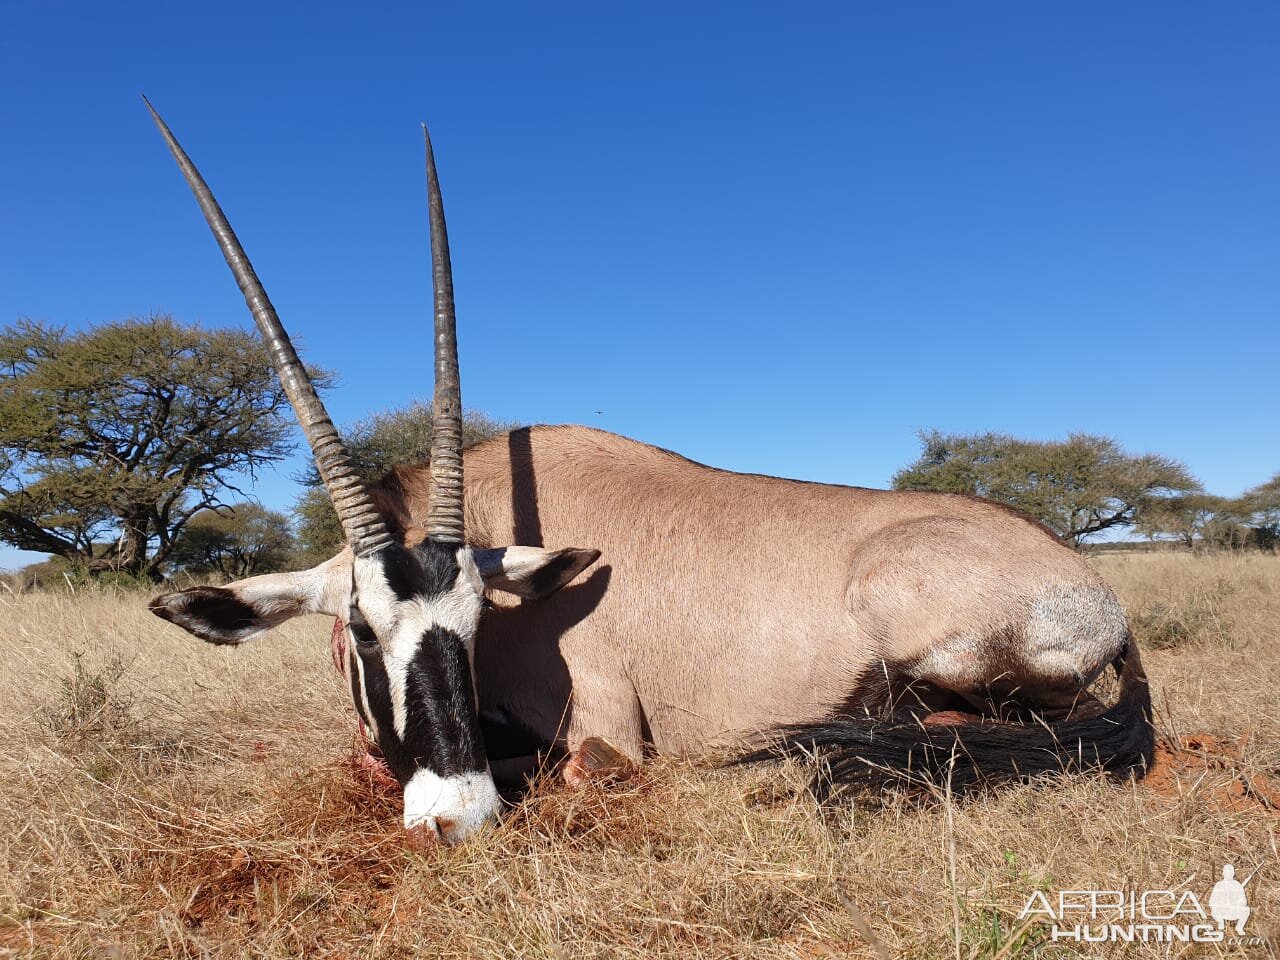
(885, 631)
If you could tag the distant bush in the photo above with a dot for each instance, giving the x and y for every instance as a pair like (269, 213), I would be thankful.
(60, 574)
(54, 572)
(1259, 509)
(1078, 487)
(377, 443)
(234, 542)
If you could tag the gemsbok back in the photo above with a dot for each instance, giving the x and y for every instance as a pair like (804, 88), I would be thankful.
(887, 632)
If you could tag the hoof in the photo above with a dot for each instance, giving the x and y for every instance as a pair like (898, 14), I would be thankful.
(597, 761)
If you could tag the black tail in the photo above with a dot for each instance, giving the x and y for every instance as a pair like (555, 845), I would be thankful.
(866, 752)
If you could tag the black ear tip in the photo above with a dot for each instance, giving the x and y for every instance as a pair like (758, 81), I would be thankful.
(171, 604)
(210, 613)
(160, 605)
(576, 559)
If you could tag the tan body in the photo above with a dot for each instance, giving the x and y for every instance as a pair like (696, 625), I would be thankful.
(725, 605)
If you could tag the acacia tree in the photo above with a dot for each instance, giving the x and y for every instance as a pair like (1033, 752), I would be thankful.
(376, 443)
(113, 438)
(1260, 510)
(1195, 520)
(1078, 487)
(235, 542)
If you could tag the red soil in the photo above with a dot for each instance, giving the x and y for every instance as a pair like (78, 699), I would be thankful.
(1212, 770)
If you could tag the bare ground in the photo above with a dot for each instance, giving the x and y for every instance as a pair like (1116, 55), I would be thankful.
(165, 798)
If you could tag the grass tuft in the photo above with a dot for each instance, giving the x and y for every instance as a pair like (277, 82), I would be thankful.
(89, 702)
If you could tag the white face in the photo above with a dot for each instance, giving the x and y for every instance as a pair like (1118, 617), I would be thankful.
(411, 616)
(411, 625)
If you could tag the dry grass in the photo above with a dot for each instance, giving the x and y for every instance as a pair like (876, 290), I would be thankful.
(162, 797)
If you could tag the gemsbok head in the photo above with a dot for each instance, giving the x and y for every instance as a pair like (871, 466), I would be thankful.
(411, 604)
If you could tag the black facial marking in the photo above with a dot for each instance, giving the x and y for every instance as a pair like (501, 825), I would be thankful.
(428, 569)
(378, 693)
(354, 670)
(359, 627)
(211, 613)
(441, 731)
(441, 727)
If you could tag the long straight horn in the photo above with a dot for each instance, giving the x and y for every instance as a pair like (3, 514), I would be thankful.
(444, 502)
(361, 521)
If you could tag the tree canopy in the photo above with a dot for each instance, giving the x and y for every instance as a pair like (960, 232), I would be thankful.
(377, 443)
(1259, 509)
(235, 542)
(1195, 520)
(113, 438)
(1078, 487)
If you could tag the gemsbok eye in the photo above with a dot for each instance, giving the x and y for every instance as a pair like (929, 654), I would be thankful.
(360, 628)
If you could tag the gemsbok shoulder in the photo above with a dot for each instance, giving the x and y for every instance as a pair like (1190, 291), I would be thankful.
(886, 632)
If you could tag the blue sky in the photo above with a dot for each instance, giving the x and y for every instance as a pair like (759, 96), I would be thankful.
(773, 238)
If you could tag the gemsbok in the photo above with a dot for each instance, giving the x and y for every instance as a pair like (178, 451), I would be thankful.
(883, 631)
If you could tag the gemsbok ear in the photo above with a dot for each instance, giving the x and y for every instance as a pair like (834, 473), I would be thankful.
(242, 610)
(532, 572)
